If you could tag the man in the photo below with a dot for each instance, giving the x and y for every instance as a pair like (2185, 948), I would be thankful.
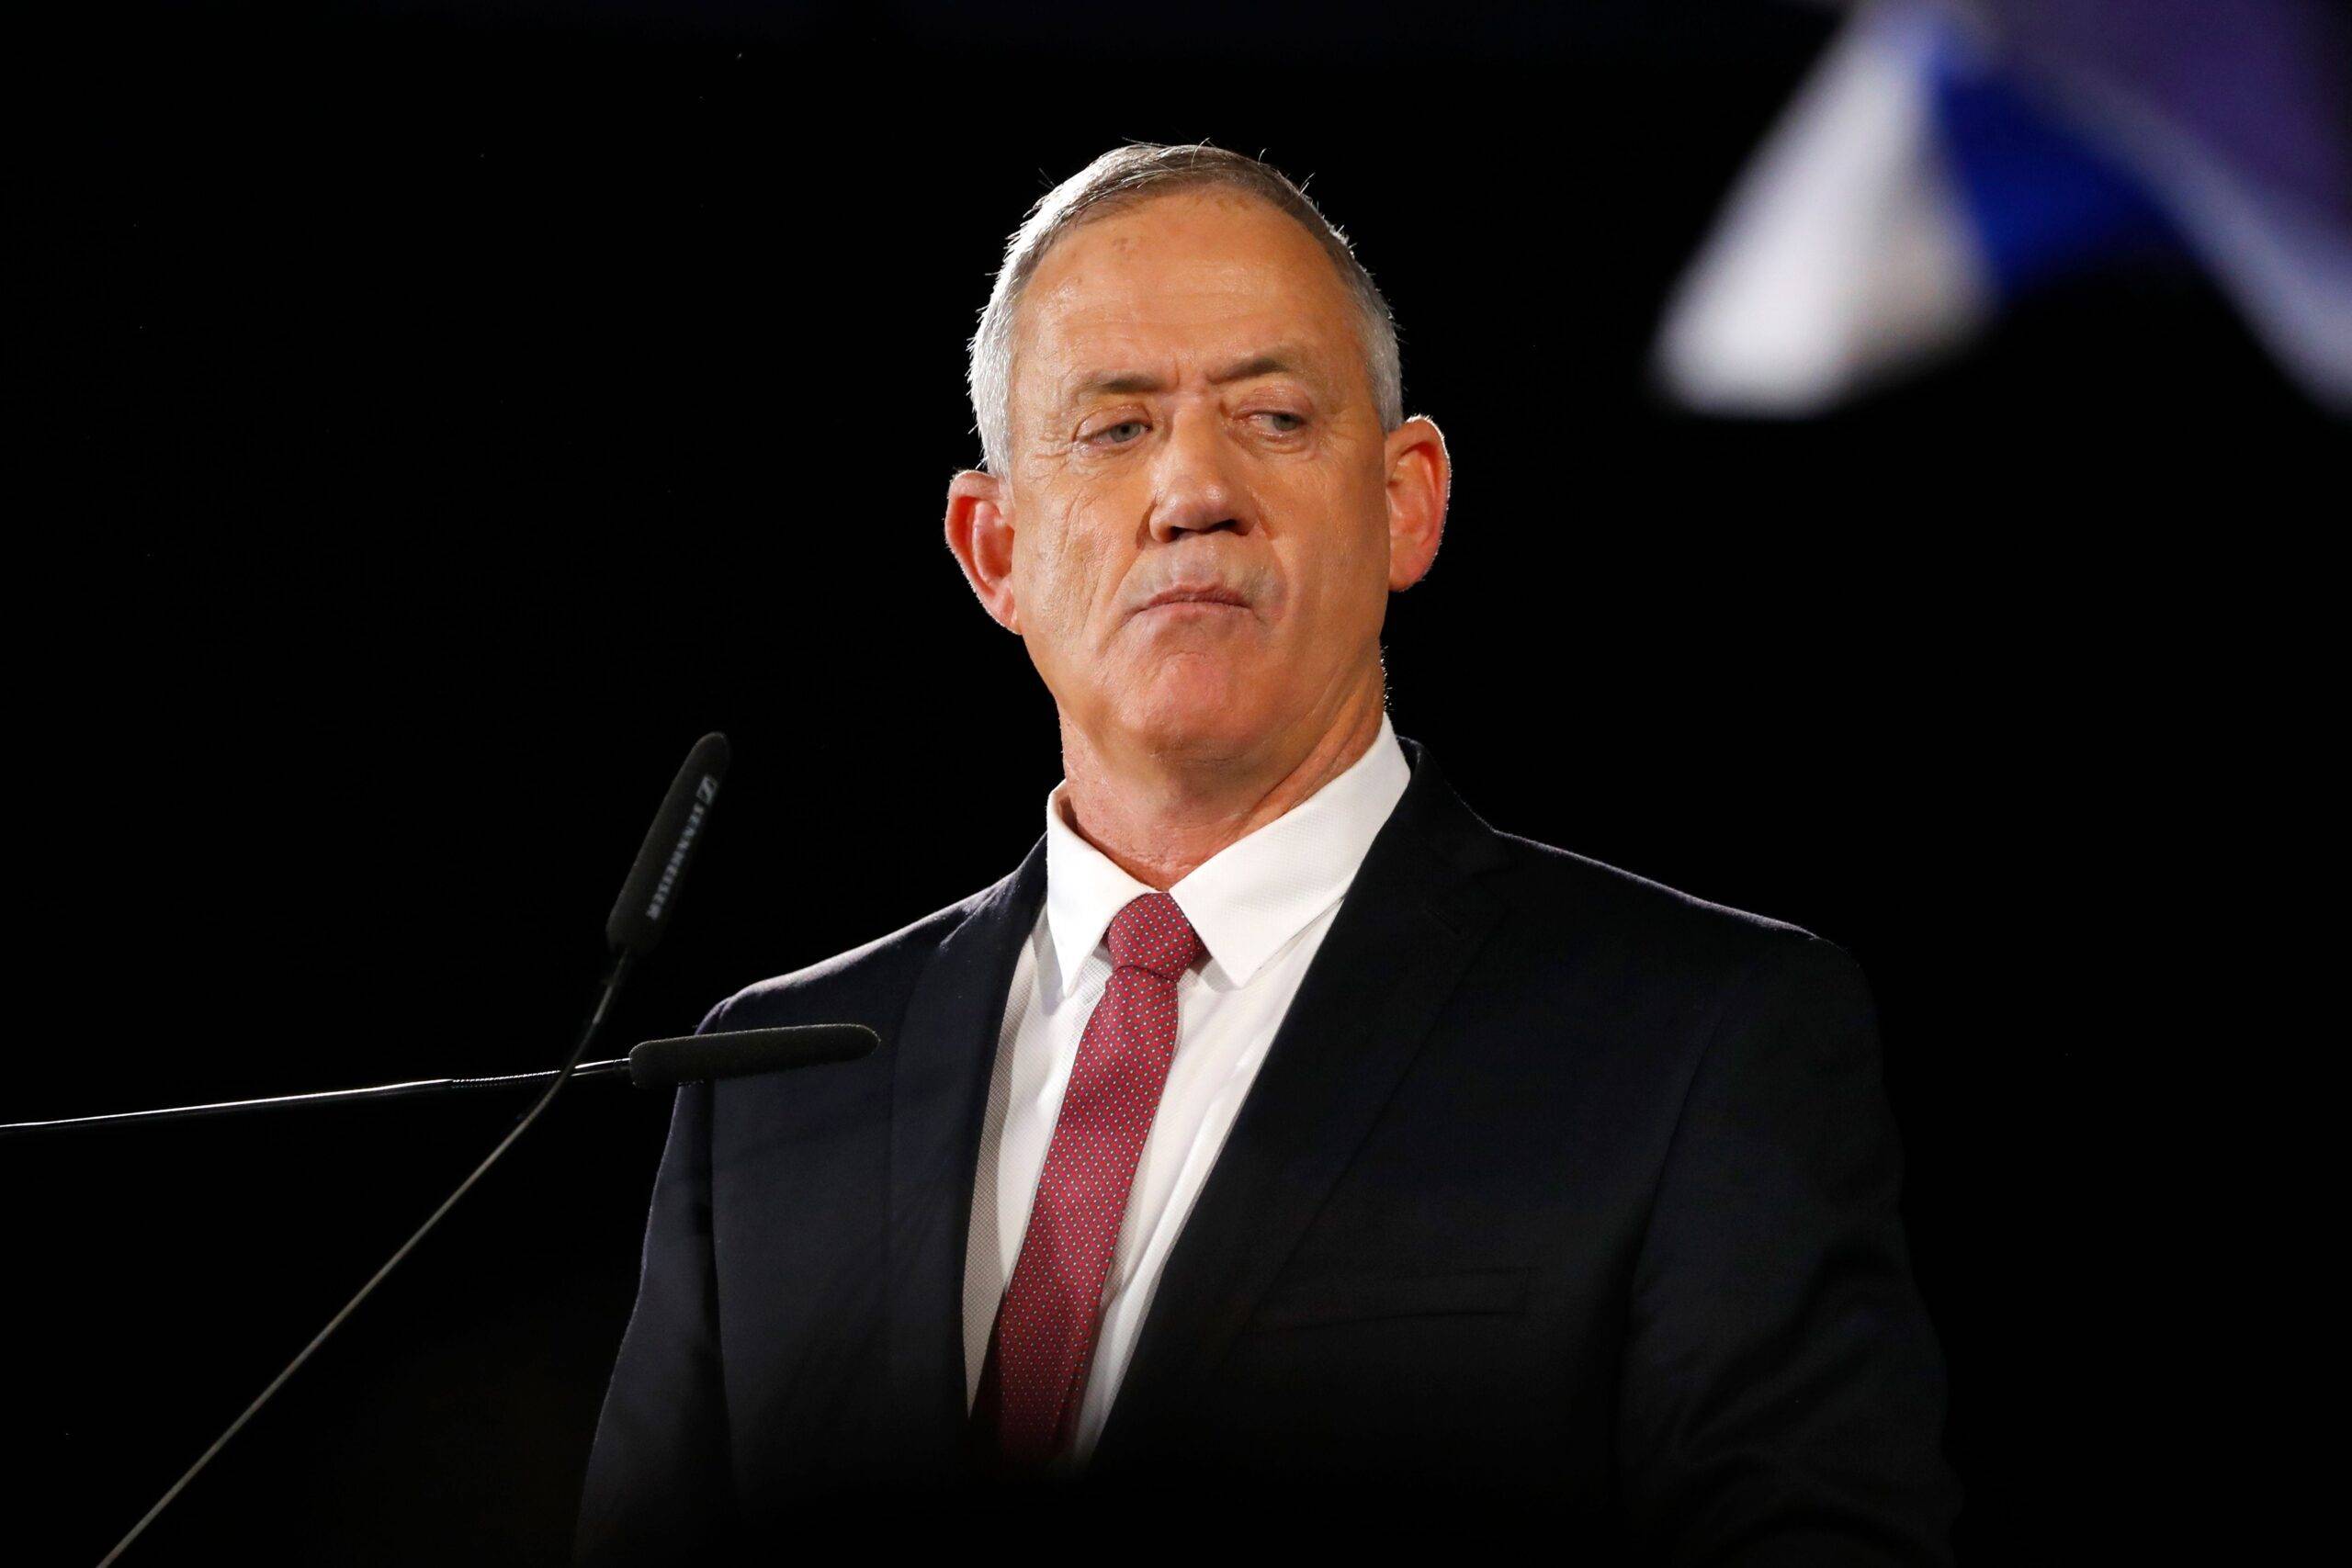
(1278, 1133)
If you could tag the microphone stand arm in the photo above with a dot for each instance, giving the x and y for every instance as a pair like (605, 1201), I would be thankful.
(617, 1066)
(614, 975)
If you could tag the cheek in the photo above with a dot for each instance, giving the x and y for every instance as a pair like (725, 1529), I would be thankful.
(1340, 574)
(1060, 565)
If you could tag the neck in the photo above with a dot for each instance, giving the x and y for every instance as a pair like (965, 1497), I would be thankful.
(1157, 817)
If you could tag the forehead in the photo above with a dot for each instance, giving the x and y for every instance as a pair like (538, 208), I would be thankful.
(1194, 275)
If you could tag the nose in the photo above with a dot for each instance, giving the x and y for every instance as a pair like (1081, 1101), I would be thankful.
(1195, 488)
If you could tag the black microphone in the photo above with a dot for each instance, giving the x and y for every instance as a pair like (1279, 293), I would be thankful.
(641, 913)
(664, 1063)
(648, 899)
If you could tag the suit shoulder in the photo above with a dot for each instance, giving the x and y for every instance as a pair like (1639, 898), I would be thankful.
(1579, 892)
(848, 984)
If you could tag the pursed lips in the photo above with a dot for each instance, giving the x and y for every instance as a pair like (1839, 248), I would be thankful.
(1212, 595)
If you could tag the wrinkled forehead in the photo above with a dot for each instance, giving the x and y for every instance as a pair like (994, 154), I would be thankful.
(1175, 284)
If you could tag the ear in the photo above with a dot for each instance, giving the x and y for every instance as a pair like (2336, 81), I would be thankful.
(980, 538)
(1419, 478)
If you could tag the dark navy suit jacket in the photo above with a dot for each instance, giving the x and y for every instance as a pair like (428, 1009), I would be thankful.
(1560, 1196)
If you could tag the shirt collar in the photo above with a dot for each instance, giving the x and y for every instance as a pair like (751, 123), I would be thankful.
(1252, 897)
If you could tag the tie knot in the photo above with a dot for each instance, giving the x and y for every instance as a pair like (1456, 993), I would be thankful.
(1152, 933)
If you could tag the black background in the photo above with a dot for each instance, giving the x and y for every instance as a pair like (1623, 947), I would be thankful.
(452, 413)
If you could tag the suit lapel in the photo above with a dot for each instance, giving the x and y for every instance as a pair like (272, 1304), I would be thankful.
(1411, 922)
(945, 1048)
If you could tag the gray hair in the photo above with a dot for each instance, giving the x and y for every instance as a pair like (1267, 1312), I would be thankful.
(1127, 177)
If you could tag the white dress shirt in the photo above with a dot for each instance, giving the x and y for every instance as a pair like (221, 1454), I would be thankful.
(1260, 907)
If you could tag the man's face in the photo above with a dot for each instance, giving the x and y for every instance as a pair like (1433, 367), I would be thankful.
(1201, 553)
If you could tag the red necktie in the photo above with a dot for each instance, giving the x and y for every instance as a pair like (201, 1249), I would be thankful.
(1043, 1342)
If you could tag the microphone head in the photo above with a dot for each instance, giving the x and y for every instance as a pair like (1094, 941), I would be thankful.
(665, 1064)
(651, 893)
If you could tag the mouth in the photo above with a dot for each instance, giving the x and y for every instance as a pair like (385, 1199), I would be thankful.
(1209, 598)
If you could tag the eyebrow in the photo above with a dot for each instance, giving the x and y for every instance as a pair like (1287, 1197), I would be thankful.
(1273, 362)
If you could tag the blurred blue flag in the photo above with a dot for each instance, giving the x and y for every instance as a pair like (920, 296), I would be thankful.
(1948, 157)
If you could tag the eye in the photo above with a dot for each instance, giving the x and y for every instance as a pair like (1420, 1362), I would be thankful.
(1126, 432)
(1280, 422)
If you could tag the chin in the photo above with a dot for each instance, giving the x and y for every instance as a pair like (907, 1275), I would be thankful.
(1201, 712)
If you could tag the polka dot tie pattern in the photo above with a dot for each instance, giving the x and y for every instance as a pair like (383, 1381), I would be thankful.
(1046, 1329)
